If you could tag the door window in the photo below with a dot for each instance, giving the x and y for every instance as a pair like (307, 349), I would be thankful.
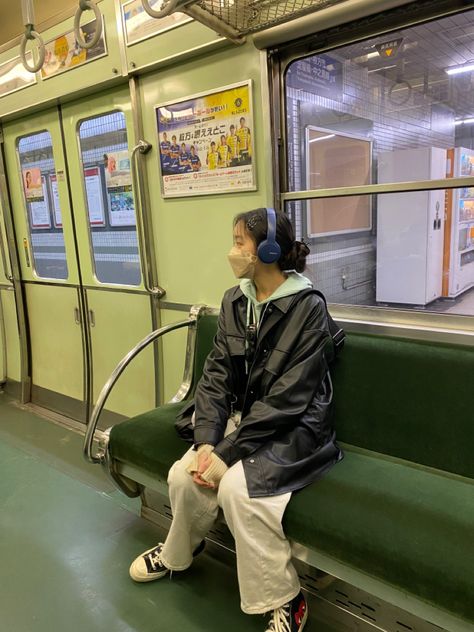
(40, 190)
(110, 203)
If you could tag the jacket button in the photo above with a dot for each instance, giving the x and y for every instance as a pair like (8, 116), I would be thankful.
(265, 351)
(252, 461)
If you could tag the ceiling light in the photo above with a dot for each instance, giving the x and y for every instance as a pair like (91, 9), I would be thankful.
(457, 70)
(313, 140)
(462, 121)
(383, 68)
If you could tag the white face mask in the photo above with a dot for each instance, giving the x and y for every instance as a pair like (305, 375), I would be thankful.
(242, 263)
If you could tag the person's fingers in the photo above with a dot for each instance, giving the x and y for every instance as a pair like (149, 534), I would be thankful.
(199, 481)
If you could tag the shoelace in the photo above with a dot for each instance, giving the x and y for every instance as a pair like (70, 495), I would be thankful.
(280, 621)
(155, 559)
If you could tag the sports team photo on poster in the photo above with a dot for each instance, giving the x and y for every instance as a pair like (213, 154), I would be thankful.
(206, 143)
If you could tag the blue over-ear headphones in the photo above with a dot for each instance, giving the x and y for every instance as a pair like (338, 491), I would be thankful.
(269, 249)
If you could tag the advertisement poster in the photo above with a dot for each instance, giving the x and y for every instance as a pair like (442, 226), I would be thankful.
(95, 201)
(206, 143)
(138, 25)
(39, 209)
(122, 207)
(14, 76)
(33, 184)
(58, 220)
(118, 179)
(64, 53)
(467, 165)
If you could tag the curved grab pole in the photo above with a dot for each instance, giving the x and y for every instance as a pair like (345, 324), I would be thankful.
(162, 13)
(30, 34)
(87, 5)
(117, 372)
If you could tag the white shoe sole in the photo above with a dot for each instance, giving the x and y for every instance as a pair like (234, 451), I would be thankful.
(139, 573)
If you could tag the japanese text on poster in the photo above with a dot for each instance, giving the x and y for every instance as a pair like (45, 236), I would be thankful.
(206, 143)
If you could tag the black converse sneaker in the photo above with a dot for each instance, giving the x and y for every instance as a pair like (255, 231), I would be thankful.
(148, 566)
(291, 617)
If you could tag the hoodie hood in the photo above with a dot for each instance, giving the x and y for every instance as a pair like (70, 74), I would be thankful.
(293, 284)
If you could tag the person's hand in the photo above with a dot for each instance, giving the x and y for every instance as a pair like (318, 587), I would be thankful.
(204, 461)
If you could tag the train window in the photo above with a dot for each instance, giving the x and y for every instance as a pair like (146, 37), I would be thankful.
(38, 175)
(390, 109)
(111, 208)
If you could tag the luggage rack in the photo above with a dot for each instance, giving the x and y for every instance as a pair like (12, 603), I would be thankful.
(235, 19)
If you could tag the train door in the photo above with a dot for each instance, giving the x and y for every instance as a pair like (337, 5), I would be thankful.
(36, 168)
(75, 222)
(98, 136)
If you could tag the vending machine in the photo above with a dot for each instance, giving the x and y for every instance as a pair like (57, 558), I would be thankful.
(458, 273)
(410, 228)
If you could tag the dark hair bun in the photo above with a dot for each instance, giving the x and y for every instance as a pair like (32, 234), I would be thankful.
(296, 258)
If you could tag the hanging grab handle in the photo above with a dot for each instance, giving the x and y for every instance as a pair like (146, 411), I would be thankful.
(87, 5)
(30, 34)
(169, 7)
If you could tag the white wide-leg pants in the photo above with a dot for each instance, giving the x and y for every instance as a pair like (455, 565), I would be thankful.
(267, 577)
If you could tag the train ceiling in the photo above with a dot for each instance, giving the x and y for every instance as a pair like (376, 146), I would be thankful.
(424, 54)
(48, 13)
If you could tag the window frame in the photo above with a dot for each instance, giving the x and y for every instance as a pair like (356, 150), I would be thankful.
(108, 284)
(27, 211)
(382, 320)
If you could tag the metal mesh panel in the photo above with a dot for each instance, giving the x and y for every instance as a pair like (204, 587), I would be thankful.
(249, 16)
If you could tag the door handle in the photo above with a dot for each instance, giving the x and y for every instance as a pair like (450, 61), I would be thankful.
(91, 318)
(142, 148)
(77, 316)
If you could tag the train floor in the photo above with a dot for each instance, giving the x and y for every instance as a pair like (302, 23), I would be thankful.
(67, 538)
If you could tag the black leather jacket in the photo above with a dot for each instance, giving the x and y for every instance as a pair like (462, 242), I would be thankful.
(285, 439)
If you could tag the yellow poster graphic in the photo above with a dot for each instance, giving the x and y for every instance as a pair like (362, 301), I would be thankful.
(206, 143)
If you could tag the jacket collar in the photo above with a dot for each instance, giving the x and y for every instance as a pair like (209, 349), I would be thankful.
(283, 304)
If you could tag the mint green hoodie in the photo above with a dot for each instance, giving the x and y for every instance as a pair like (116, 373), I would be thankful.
(293, 284)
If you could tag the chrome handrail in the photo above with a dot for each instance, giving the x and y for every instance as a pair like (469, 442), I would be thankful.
(117, 372)
(187, 381)
(87, 5)
(142, 147)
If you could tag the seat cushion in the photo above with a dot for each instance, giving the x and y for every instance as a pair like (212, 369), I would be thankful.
(408, 526)
(149, 441)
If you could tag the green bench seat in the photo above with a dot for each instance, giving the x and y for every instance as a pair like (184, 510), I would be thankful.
(410, 526)
(400, 506)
